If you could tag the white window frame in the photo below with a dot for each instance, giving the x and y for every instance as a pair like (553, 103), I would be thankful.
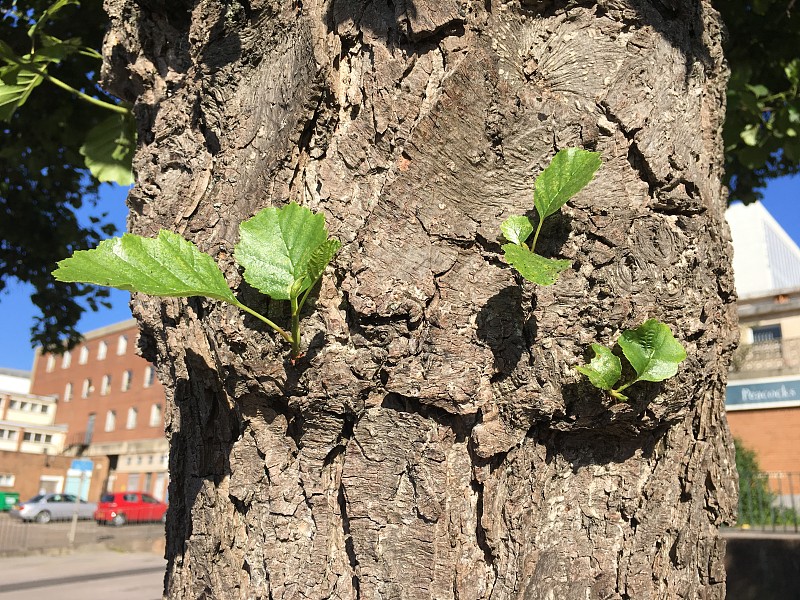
(111, 420)
(68, 392)
(105, 385)
(83, 357)
(133, 417)
(122, 345)
(102, 350)
(155, 415)
(127, 377)
(66, 360)
(149, 375)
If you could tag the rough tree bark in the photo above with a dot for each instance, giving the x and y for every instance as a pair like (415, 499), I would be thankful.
(436, 442)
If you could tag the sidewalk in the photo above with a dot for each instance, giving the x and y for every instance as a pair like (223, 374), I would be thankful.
(83, 576)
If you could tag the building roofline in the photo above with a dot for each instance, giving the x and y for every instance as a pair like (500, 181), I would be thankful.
(15, 372)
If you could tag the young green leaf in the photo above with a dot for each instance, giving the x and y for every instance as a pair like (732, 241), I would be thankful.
(604, 370)
(517, 229)
(570, 170)
(534, 267)
(276, 247)
(109, 147)
(320, 258)
(17, 82)
(49, 13)
(652, 351)
(166, 266)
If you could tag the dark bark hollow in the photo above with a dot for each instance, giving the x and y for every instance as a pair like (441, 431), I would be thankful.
(436, 441)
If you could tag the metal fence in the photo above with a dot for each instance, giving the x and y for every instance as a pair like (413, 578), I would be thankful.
(769, 501)
(18, 537)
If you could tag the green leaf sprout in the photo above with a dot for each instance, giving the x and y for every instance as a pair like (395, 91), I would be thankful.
(567, 174)
(284, 252)
(650, 349)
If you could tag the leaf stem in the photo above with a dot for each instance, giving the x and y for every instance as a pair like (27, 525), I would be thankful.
(624, 386)
(305, 295)
(536, 235)
(65, 86)
(296, 326)
(261, 317)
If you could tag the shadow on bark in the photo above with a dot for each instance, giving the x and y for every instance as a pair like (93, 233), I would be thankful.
(501, 323)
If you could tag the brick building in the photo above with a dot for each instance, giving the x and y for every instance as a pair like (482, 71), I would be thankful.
(30, 440)
(763, 395)
(112, 405)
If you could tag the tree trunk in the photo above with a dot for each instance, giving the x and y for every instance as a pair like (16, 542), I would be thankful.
(436, 441)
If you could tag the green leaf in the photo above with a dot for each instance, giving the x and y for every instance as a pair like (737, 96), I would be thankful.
(792, 71)
(567, 174)
(17, 82)
(652, 350)
(604, 370)
(166, 266)
(109, 147)
(276, 247)
(749, 135)
(320, 258)
(758, 90)
(517, 229)
(534, 267)
(49, 13)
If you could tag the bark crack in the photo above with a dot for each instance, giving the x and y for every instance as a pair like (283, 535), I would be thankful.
(348, 541)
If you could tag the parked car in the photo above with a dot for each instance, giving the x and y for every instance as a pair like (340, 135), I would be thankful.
(119, 508)
(44, 508)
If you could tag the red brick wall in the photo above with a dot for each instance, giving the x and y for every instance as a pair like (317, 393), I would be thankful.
(772, 433)
(75, 413)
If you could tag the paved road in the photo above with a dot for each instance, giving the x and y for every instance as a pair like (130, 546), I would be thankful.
(83, 576)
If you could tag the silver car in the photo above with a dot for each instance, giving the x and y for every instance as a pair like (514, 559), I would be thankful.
(48, 507)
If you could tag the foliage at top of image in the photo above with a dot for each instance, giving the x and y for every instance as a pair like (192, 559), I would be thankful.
(283, 251)
(762, 122)
(567, 174)
(650, 349)
(44, 183)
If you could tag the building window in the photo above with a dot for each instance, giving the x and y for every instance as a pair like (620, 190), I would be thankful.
(44, 408)
(102, 350)
(51, 363)
(87, 388)
(8, 434)
(6, 480)
(149, 374)
(132, 415)
(767, 333)
(68, 392)
(39, 438)
(126, 380)
(111, 420)
(128, 460)
(66, 360)
(155, 415)
(105, 386)
(122, 345)
(83, 357)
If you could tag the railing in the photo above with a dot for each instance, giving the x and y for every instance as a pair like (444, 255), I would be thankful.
(776, 357)
(769, 501)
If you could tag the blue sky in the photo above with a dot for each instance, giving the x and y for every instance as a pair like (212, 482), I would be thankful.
(781, 199)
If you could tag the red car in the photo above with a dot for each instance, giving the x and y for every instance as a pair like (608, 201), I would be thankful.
(119, 508)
